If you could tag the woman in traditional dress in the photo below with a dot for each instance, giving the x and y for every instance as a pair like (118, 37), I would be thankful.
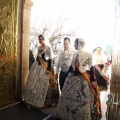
(101, 66)
(41, 87)
(79, 99)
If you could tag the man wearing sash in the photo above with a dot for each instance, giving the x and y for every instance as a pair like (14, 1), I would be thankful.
(41, 84)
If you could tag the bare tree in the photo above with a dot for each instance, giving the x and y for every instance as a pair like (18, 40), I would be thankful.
(55, 32)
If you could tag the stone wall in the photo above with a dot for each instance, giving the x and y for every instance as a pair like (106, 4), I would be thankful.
(25, 41)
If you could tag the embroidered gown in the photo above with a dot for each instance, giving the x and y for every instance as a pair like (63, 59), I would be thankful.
(100, 61)
(76, 100)
(38, 91)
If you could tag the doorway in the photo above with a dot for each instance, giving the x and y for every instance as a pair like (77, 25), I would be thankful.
(92, 20)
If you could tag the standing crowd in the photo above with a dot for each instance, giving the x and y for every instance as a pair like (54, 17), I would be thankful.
(80, 74)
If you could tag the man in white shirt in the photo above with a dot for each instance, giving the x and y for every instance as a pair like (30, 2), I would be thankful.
(63, 62)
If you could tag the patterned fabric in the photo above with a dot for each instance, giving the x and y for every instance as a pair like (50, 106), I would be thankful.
(52, 98)
(64, 59)
(36, 86)
(84, 59)
(76, 101)
(38, 91)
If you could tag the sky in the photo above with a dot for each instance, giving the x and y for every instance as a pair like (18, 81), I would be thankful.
(94, 20)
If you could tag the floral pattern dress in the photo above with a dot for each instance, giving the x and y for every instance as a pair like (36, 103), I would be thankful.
(75, 101)
(38, 92)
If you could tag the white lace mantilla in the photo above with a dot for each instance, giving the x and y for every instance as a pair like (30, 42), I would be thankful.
(47, 51)
(85, 60)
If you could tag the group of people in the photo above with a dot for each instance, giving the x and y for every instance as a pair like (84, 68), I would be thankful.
(78, 75)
